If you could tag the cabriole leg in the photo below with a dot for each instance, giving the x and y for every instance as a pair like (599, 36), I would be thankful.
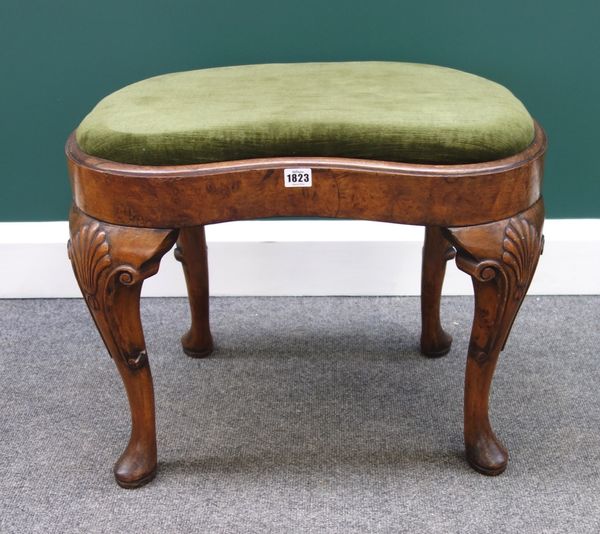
(191, 252)
(435, 342)
(501, 258)
(110, 263)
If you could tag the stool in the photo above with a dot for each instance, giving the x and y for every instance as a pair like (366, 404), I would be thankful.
(155, 162)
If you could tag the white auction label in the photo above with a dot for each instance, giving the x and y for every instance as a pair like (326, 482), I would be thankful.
(297, 177)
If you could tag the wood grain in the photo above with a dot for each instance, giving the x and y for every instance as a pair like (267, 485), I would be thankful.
(125, 217)
(435, 341)
(193, 195)
(191, 252)
(501, 258)
(110, 263)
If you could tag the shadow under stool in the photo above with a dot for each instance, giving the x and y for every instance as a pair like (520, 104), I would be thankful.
(156, 161)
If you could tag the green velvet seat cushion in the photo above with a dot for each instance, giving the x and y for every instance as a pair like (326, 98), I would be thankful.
(375, 110)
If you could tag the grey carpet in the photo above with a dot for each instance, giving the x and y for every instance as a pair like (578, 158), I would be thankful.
(314, 415)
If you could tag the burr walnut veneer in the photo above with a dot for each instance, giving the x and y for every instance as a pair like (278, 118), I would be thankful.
(125, 217)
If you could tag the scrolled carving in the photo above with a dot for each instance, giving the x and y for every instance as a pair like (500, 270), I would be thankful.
(484, 271)
(521, 249)
(126, 275)
(96, 268)
(501, 257)
(89, 252)
(135, 361)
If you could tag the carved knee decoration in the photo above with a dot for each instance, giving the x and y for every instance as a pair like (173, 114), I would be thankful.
(110, 263)
(501, 258)
(150, 198)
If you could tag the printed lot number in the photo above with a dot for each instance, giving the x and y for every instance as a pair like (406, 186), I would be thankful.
(297, 177)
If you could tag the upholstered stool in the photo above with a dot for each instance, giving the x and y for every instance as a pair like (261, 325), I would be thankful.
(407, 143)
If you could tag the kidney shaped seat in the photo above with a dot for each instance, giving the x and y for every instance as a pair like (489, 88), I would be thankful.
(157, 160)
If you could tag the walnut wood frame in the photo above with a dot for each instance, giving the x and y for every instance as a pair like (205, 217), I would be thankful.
(126, 217)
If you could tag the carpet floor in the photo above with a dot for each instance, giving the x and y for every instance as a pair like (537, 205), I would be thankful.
(313, 415)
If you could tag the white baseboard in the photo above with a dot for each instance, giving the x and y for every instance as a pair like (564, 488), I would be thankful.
(310, 257)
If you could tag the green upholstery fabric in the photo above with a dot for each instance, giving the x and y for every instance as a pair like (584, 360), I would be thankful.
(374, 110)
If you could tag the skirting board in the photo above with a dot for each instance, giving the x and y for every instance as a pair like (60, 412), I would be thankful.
(298, 257)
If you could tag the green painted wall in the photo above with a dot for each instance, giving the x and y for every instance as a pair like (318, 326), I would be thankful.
(57, 58)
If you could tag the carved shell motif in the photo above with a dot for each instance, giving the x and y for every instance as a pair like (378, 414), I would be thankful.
(521, 250)
(89, 253)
